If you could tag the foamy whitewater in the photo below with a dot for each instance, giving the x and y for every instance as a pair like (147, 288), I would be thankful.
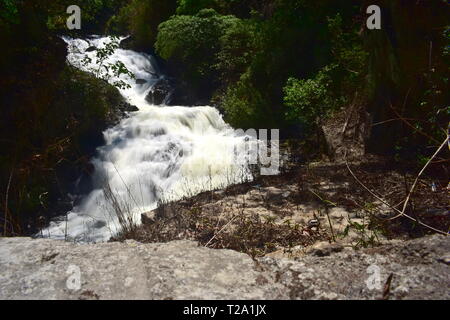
(157, 153)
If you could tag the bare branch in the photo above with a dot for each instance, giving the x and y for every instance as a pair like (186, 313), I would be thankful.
(390, 206)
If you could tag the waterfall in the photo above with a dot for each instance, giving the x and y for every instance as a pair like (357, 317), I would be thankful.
(157, 153)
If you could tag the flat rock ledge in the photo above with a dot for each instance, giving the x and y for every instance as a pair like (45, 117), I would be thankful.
(50, 269)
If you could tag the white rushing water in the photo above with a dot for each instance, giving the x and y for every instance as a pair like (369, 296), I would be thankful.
(158, 152)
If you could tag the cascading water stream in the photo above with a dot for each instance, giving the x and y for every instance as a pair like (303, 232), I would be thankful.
(156, 153)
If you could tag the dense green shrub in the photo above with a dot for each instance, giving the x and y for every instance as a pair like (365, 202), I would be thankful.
(85, 99)
(192, 7)
(349, 55)
(238, 44)
(9, 12)
(238, 8)
(270, 47)
(311, 100)
(192, 44)
(245, 106)
(140, 19)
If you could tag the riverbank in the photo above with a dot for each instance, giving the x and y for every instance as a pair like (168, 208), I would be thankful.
(306, 206)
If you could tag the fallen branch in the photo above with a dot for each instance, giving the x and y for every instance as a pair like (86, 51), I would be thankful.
(396, 119)
(411, 126)
(223, 228)
(418, 176)
(390, 206)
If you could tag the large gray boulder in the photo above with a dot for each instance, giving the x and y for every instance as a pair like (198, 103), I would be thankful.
(417, 269)
(48, 269)
(160, 92)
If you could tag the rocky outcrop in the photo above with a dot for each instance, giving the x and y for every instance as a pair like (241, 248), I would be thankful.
(185, 95)
(160, 92)
(141, 81)
(416, 269)
(41, 269)
(119, 112)
(172, 92)
(128, 44)
(48, 269)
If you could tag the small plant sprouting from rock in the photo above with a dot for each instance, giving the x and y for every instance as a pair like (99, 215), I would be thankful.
(368, 234)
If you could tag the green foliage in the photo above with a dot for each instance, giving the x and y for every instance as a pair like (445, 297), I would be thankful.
(271, 47)
(311, 100)
(238, 8)
(192, 7)
(347, 47)
(140, 18)
(238, 47)
(84, 103)
(446, 36)
(348, 52)
(367, 233)
(9, 12)
(105, 70)
(245, 106)
(216, 51)
(192, 43)
(94, 14)
(119, 24)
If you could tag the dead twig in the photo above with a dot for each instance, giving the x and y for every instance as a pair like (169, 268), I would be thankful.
(417, 178)
(396, 119)
(223, 228)
(389, 205)
(350, 114)
(6, 202)
(387, 287)
(411, 126)
(327, 203)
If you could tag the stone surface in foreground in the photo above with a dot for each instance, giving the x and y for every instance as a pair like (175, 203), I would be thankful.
(48, 269)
